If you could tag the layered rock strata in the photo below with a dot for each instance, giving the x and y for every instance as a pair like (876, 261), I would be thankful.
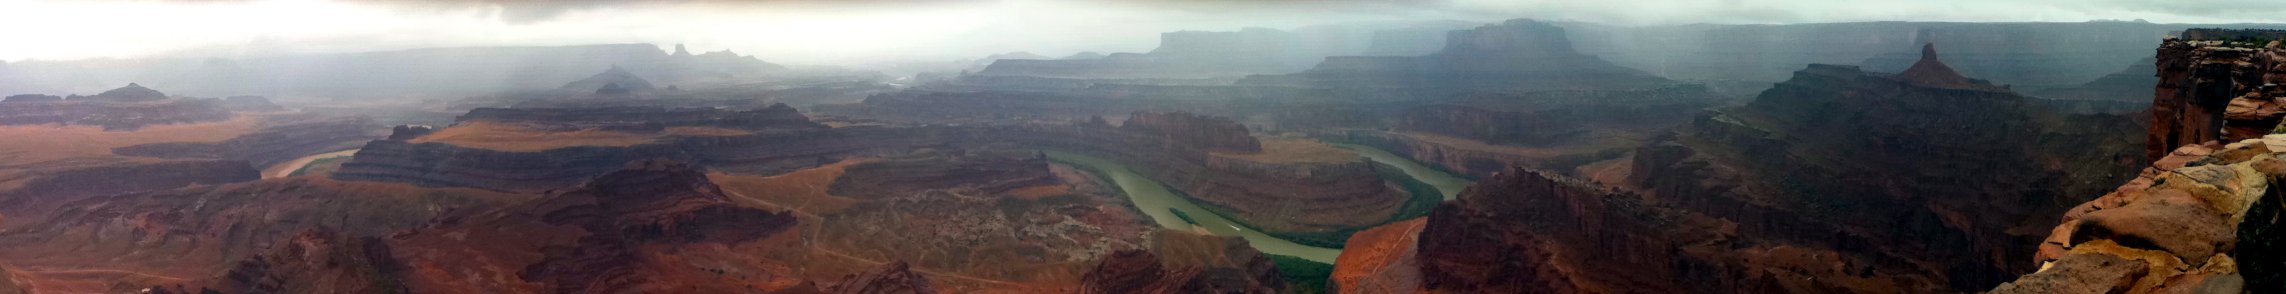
(121, 242)
(1929, 181)
(1526, 231)
(654, 226)
(1518, 54)
(2214, 86)
(273, 144)
(1180, 262)
(125, 108)
(48, 189)
(2203, 219)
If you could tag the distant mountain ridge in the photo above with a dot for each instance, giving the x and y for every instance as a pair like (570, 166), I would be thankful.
(460, 70)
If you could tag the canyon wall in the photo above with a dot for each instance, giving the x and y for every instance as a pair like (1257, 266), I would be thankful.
(1515, 55)
(1929, 180)
(125, 108)
(1527, 231)
(2204, 216)
(276, 143)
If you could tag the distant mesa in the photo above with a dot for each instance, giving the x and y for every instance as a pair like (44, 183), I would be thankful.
(612, 81)
(1931, 72)
(613, 89)
(24, 98)
(250, 103)
(1519, 54)
(131, 93)
(1084, 56)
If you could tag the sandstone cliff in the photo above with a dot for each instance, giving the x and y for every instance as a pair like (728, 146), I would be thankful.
(2214, 90)
(2203, 218)
(1936, 184)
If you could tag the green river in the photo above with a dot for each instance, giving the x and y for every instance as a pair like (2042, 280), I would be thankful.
(1159, 202)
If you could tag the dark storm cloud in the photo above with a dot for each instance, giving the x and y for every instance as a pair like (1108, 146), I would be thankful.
(526, 11)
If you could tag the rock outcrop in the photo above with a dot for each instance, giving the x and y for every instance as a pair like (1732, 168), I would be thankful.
(1933, 73)
(1930, 186)
(2204, 218)
(316, 261)
(119, 241)
(128, 94)
(615, 79)
(630, 230)
(1525, 231)
(48, 189)
(1381, 260)
(1182, 262)
(1203, 132)
(2213, 88)
(892, 278)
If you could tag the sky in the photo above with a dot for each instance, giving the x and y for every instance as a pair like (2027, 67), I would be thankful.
(842, 32)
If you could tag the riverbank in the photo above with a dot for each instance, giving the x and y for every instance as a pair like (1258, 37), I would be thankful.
(1171, 209)
(287, 169)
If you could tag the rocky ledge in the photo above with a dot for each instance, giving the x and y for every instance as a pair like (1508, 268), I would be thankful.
(2205, 217)
(1181, 262)
(2215, 90)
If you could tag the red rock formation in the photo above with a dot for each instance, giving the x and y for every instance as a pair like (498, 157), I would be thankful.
(2199, 219)
(316, 261)
(1930, 72)
(892, 278)
(1940, 180)
(50, 188)
(1183, 262)
(131, 93)
(201, 232)
(1198, 131)
(2213, 90)
(636, 229)
(1523, 231)
(1381, 260)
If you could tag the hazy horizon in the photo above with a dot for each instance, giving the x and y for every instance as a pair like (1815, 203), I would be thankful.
(823, 33)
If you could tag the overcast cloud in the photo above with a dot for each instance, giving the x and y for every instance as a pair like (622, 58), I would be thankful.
(821, 32)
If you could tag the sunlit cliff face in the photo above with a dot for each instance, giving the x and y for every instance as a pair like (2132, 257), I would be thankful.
(819, 32)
